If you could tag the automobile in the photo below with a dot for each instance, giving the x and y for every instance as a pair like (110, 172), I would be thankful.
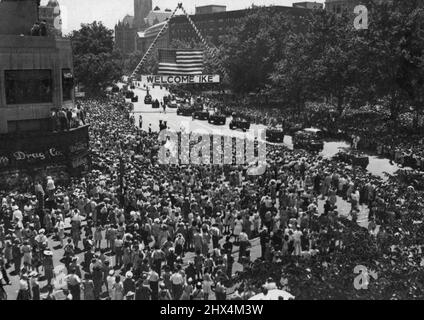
(309, 139)
(155, 104)
(217, 119)
(134, 99)
(275, 134)
(239, 123)
(172, 104)
(201, 115)
(185, 110)
(148, 99)
(353, 158)
(129, 94)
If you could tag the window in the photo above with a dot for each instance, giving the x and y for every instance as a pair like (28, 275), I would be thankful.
(28, 86)
(67, 84)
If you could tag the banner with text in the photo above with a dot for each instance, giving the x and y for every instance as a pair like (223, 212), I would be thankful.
(187, 79)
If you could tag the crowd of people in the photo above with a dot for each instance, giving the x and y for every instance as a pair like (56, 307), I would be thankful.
(137, 230)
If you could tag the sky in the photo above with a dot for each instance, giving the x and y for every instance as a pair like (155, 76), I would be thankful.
(75, 12)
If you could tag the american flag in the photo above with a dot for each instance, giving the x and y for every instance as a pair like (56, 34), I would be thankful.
(180, 62)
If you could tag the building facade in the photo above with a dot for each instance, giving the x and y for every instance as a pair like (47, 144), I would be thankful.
(51, 14)
(309, 5)
(215, 25)
(125, 35)
(36, 78)
(210, 9)
(126, 29)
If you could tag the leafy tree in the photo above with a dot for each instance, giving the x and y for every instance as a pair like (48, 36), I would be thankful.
(254, 46)
(395, 43)
(96, 63)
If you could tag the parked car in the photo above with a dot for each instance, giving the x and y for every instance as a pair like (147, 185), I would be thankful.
(134, 99)
(217, 119)
(155, 104)
(275, 134)
(201, 115)
(309, 139)
(185, 110)
(238, 123)
(148, 99)
(353, 158)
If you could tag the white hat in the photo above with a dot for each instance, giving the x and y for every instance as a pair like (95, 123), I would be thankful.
(111, 272)
(129, 275)
(42, 231)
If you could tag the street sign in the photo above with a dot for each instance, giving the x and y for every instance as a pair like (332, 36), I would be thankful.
(172, 79)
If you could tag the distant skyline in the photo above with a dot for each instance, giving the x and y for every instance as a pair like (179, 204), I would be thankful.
(75, 12)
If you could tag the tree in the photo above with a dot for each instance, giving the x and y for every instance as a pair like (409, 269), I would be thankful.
(96, 63)
(395, 51)
(254, 46)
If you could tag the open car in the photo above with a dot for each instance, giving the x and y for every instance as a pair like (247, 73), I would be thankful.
(148, 99)
(354, 158)
(239, 123)
(201, 115)
(275, 134)
(309, 139)
(217, 119)
(186, 110)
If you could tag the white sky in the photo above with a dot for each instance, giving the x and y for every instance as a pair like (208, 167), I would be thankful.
(75, 12)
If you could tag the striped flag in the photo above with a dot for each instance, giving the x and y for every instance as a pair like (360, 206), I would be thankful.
(180, 62)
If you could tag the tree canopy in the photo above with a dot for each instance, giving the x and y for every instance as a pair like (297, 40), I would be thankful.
(96, 63)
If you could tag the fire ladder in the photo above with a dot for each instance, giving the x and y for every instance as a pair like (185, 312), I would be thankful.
(213, 51)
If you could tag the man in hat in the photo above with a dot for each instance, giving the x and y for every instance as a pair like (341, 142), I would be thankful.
(48, 266)
(74, 285)
(129, 283)
(143, 290)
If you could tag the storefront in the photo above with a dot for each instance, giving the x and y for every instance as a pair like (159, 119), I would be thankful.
(26, 158)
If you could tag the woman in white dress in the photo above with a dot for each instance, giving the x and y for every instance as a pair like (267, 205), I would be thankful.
(238, 227)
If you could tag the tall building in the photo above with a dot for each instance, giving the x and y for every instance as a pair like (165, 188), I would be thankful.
(125, 35)
(51, 14)
(141, 10)
(126, 30)
(36, 79)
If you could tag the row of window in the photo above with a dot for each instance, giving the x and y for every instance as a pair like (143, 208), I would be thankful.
(35, 86)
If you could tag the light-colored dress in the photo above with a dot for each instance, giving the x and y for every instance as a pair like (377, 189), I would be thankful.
(118, 291)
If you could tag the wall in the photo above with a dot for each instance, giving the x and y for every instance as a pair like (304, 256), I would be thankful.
(17, 17)
(28, 52)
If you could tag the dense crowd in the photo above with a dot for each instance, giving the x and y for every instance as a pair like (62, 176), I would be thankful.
(134, 229)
